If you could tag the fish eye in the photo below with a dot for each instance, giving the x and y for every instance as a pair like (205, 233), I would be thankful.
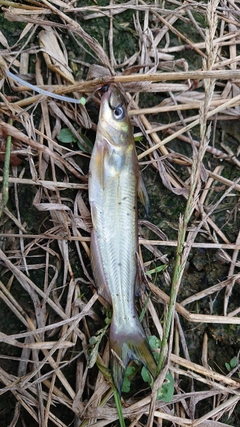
(119, 112)
(104, 88)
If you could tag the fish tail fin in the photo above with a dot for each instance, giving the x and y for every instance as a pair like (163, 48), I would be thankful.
(126, 345)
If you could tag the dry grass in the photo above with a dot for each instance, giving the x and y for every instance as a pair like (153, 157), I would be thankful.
(45, 271)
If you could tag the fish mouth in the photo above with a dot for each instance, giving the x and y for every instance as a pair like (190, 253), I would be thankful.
(115, 99)
(112, 95)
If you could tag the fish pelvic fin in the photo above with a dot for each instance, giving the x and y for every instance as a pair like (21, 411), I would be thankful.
(126, 346)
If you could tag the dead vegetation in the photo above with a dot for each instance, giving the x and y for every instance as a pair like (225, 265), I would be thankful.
(184, 62)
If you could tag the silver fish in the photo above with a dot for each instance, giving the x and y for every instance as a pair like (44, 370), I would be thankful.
(114, 181)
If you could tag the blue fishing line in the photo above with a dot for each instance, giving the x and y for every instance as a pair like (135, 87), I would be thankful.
(45, 92)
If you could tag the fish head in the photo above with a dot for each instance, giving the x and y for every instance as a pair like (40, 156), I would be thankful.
(113, 118)
(114, 148)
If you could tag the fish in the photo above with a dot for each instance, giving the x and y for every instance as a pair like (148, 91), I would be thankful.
(114, 183)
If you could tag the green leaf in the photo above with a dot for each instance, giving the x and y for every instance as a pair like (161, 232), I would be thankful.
(146, 376)
(228, 367)
(166, 392)
(233, 362)
(144, 308)
(156, 269)
(87, 142)
(138, 138)
(66, 136)
(126, 381)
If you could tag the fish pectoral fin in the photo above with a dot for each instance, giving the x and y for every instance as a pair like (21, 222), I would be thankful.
(143, 195)
(98, 271)
(93, 215)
